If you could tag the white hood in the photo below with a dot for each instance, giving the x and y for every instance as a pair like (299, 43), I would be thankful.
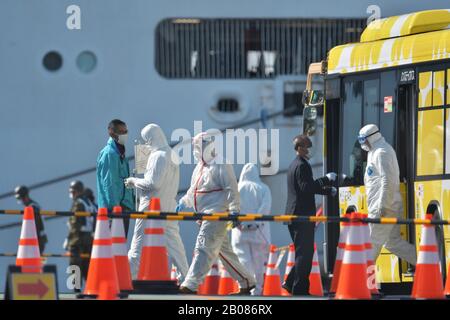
(372, 133)
(204, 147)
(250, 173)
(153, 135)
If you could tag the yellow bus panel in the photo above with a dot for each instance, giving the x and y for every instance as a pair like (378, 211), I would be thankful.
(430, 142)
(395, 41)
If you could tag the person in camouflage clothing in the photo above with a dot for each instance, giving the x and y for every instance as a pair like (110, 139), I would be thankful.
(80, 237)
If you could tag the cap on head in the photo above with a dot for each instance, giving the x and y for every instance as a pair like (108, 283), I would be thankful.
(20, 192)
(77, 186)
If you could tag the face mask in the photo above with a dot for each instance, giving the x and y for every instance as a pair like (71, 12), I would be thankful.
(209, 153)
(122, 139)
(206, 152)
(311, 151)
(365, 147)
(19, 202)
(71, 195)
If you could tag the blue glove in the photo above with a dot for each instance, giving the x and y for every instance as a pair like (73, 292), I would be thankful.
(180, 207)
(235, 222)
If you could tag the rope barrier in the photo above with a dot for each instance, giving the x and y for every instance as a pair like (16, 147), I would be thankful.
(225, 216)
(285, 248)
(131, 158)
(50, 255)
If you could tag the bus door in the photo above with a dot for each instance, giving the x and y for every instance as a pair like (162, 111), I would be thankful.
(405, 144)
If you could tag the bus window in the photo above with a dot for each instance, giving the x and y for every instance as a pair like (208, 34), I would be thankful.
(353, 158)
(438, 88)
(430, 142)
(430, 123)
(425, 85)
(448, 87)
(447, 126)
(371, 101)
(447, 141)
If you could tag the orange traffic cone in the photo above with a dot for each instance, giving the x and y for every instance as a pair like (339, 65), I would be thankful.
(340, 254)
(102, 266)
(28, 255)
(272, 283)
(173, 274)
(119, 247)
(371, 269)
(290, 263)
(154, 261)
(106, 292)
(201, 288)
(212, 281)
(353, 275)
(227, 284)
(315, 280)
(236, 286)
(428, 277)
(447, 283)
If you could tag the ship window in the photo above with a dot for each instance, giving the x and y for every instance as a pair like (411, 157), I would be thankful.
(52, 61)
(228, 105)
(247, 48)
(86, 61)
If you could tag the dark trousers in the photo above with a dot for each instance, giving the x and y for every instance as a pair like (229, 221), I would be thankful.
(302, 235)
(83, 246)
(126, 221)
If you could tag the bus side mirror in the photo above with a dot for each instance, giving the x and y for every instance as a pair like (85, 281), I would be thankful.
(309, 120)
(312, 98)
(305, 98)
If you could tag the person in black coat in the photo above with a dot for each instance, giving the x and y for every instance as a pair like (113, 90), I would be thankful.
(302, 189)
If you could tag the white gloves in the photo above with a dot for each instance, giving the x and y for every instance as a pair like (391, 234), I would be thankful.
(66, 244)
(129, 182)
(331, 176)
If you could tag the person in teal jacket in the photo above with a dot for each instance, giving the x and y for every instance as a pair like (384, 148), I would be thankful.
(112, 169)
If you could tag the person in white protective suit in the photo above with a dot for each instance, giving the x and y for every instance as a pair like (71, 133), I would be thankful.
(161, 180)
(213, 189)
(251, 240)
(382, 184)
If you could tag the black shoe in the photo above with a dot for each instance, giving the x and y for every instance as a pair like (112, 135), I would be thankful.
(410, 272)
(186, 290)
(287, 288)
(243, 291)
(378, 296)
(301, 294)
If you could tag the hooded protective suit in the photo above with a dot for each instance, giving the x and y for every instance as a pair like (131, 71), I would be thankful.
(382, 185)
(251, 240)
(213, 189)
(160, 180)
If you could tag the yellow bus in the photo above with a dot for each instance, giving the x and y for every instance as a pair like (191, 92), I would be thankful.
(397, 77)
